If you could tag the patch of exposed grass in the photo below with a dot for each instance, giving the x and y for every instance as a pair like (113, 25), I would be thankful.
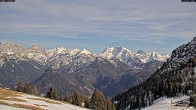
(40, 105)
(10, 95)
(46, 100)
(22, 106)
(13, 99)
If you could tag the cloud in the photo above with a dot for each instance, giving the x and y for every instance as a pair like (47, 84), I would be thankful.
(153, 21)
(113, 41)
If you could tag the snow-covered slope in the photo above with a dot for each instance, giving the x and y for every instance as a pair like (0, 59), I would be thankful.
(165, 103)
(10, 100)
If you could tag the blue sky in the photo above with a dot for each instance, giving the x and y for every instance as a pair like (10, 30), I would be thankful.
(156, 25)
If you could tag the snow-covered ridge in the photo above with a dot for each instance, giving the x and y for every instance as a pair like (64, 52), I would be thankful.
(180, 56)
(62, 56)
(126, 55)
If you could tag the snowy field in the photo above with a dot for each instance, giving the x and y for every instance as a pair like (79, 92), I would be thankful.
(25, 101)
(165, 103)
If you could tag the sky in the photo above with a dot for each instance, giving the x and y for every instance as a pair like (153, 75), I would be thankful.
(153, 25)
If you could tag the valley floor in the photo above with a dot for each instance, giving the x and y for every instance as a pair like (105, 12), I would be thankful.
(165, 103)
(10, 100)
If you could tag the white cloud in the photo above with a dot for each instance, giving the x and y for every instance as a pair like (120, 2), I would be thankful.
(127, 19)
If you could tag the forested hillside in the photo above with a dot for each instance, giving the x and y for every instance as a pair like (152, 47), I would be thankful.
(175, 77)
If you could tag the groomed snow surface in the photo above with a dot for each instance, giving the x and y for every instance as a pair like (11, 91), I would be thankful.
(38, 102)
(165, 103)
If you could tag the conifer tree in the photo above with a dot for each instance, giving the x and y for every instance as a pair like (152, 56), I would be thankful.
(98, 101)
(78, 100)
(193, 94)
(51, 93)
(110, 105)
(27, 88)
(35, 91)
(193, 100)
(86, 102)
(68, 98)
(20, 87)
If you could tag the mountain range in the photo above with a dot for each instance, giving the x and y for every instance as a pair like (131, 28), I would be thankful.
(69, 70)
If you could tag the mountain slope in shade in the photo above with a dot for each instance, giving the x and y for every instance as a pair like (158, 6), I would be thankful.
(109, 77)
(13, 71)
(85, 79)
(176, 76)
(62, 83)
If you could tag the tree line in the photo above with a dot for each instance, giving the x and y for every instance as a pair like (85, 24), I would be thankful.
(96, 102)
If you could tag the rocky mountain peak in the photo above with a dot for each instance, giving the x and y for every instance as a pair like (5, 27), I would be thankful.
(37, 49)
(194, 39)
(10, 49)
(156, 56)
(141, 52)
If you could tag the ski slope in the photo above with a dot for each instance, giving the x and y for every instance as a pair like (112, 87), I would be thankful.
(165, 103)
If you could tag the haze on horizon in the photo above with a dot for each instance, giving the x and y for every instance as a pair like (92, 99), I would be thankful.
(156, 25)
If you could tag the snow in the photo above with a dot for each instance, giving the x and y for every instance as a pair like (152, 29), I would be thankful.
(31, 100)
(5, 107)
(195, 69)
(74, 51)
(37, 56)
(116, 52)
(135, 67)
(72, 59)
(36, 67)
(60, 50)
(84, 51)
(156, 56)
(164, 103)
(126, 55)
(10, 53)
(62, 56)
(2, 62)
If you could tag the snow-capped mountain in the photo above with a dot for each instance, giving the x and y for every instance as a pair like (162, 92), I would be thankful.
(156, 56)
(62, 56)
(68, 60)
(129, 57)
(79, 68)
(37, 53)
(15, 51)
